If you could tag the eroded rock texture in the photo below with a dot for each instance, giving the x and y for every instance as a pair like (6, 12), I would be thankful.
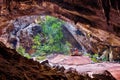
(83, 64)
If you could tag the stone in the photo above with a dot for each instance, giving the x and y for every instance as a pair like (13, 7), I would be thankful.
(36, 30)
(70, 60)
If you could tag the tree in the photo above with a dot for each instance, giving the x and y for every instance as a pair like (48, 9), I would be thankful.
(51, 38)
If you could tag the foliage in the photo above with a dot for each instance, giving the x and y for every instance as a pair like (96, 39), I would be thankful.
(22, 52)
(51, 38)
(104, 58)
(40, 57)
(94, 57)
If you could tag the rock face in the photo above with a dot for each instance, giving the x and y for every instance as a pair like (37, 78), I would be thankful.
(20, 31)
(70, 60)
(24, 30)
(13, 66)
(82, 64)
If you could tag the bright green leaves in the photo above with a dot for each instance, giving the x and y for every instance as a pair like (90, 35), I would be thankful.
(94, 58)
(36, 41)
(53, 37)
(22, 52)
(51, 40)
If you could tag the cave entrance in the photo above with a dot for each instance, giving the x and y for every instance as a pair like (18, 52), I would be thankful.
(40, 36)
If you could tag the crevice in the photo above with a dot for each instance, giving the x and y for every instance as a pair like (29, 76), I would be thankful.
(71, 7)
(106, 8)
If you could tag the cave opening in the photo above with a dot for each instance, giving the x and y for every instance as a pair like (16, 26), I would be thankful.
(43, 37)
(40, 37)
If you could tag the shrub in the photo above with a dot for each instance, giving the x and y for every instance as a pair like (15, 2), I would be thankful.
(22, 52)
(51, 38)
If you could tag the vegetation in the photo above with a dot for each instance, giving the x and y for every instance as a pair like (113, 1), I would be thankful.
(94, 57)
(51, 41)
(51, 38)
(22, 52)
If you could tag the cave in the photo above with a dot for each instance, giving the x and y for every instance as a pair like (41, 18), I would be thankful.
(99, 21)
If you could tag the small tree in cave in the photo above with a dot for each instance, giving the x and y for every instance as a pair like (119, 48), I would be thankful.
(51, 38)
